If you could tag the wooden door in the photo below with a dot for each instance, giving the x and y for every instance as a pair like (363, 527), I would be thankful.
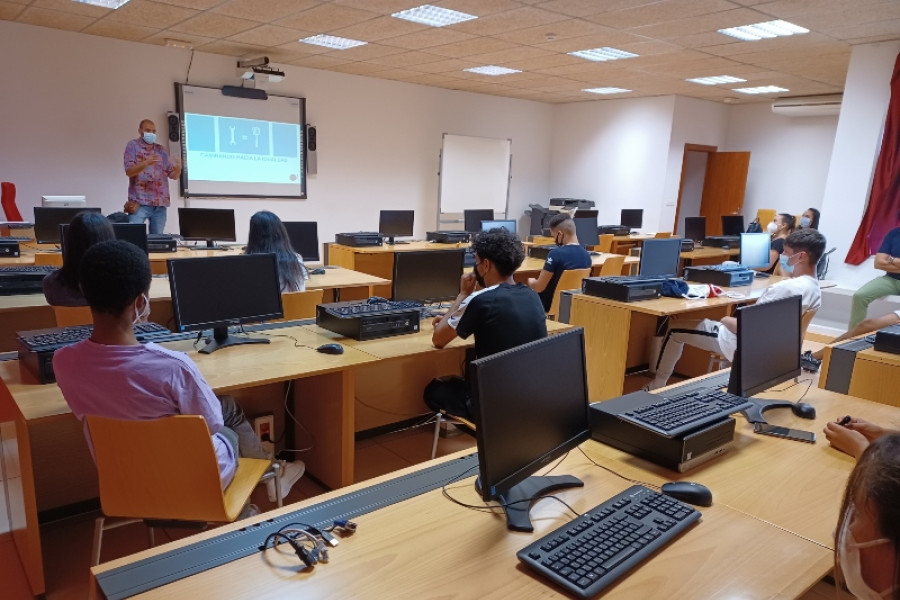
(723, 188)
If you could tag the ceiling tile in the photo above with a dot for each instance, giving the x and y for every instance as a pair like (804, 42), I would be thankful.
(405, 59)
(660, 12)
(264, 11)
(481, 45)
(542, 34)
(518, 53)
(479, 8)
(702, 24)
(510, 20)
(359, 68)
(442, 66)
(122, 31)
(213, 25)
(431, 36)
(319, 62)
(544, 62)
(195, 4)
(153, 14)
(269, 35)
(602, 37)
(54, 18)
(365, 52)
(76, 8)
(378, 29)
(382, 7)
(9, 11)
(160, 38)
(327, 18)
(231, 48)
(576, 8)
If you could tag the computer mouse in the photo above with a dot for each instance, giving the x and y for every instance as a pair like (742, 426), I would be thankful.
(688, 491)
(319, 271)
(804, 410)
(330, 349)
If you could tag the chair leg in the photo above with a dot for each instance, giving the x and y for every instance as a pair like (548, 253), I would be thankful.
(151, 536)
(278, 499)
(437, 433)
(98, 537)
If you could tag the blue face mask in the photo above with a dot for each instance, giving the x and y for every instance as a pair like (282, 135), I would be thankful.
(786, 268)
(149, 137)
(804, 221)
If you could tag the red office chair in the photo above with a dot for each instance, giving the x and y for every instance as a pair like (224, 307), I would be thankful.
(8, 201)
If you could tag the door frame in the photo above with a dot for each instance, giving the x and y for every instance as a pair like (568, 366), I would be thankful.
(688, 148)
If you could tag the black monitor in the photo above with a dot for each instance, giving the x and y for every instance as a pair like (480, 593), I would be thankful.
(695, 228)
(48, 219)
(633, 217)
(660, 257)
(395, 223)
(427, 276)
(136, 233)
(506, 224)
(524, 422)
(304, 237)
(587, 231)
(208, 224)
(472, 219)
(755, 250)
(732, 224)
(768, 346)
(216, 292)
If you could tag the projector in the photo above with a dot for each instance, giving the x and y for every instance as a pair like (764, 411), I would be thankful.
(258, 69)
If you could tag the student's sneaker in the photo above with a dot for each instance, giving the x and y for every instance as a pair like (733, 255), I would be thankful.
(809, 363)
(249, 510)
(291, 472)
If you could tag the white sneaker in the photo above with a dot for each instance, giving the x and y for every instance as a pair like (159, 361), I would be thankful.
(291, 472)
(249, 510)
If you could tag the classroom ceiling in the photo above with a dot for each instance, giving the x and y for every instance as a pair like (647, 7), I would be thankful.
(674, 40)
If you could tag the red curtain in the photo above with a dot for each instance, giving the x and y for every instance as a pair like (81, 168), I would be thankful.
(884, 199)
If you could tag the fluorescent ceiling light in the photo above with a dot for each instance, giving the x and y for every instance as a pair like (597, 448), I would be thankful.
(332, 41)
(763, 89)
(434, 16)
(114, 4)
(606, 90)
(717, 79)
(769, 29)
(492, 70)
(172, 43)
(601, 54)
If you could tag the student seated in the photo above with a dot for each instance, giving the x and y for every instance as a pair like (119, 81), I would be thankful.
(811, 361)
(110, 374)
(268, 235)
(854, 437)
(568, 254)
(810, 218)
(780, 228)
(85, 230)
(502, 314)
(802, 250)
(867, 536)
(886, 285)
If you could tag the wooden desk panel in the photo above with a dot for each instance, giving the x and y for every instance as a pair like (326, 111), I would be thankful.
(876, 376)
(531, 266)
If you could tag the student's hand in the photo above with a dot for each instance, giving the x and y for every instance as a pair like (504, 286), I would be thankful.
(846, 439)
(467, 284)
(436, 320)
(870, 431)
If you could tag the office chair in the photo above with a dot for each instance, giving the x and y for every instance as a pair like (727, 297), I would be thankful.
(443, 416)
(662, 234)
(146, 475)
(48, 259)
(569, 280)
(764, 216)
(8, 201)
(300, 305)
(822, 266)
(612, 265)
(606, 241)
(67, 316)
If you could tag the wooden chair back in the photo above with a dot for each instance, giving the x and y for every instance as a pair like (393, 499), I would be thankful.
(805, 320)
(663, 234)
(569, 280)
(51, 259)
(542, 240)
(613, 265)
(765, 216)
(606, 241)
(301, 305)
(72, 315)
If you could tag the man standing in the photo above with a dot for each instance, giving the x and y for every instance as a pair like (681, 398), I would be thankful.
(569, 254)
(148, 169)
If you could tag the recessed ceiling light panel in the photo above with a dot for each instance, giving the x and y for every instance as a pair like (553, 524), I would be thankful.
(332, 41)
(114, 4)
(716, 80)
(606, 90)
(763, 89)
(433, 16)
(492, 70)
(602, 54)
(769, 29)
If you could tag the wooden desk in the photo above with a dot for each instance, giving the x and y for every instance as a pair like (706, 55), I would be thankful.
(616, 332)
(621, 244)
(707, 256)
(876, 375)
(532, 267)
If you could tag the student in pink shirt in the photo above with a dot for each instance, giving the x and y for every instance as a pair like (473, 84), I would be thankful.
(112, 375)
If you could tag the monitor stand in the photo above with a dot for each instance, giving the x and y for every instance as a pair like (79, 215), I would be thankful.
(221, 339)
(391, 241)
(517, 501)
(754, 413)
(210, 245)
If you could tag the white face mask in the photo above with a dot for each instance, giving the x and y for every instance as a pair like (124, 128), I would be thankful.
(848, 557)
(771, 227)
(141, 317)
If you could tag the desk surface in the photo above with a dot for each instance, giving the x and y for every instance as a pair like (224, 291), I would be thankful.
(708, 252)
(408, 247)
(536, 264)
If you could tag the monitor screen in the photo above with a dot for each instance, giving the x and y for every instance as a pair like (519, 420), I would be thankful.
(396, 223)
(304, 237)
(427, 276)
(513, 402)
(136, 233)
(768, 346)
(48, 219)
(473, 218)
(509, 225)
(695, 228)
(755, 250)
(216, 292)
(632, 217)
(207, 224)
(659, 257)
(586, 230)
(64, 201)
(732, 224)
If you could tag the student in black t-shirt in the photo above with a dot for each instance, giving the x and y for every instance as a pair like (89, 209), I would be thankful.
(502, 314)
(568, 255)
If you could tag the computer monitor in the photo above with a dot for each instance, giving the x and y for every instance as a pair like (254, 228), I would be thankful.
(395, 223)
(632, 217)
(48, 219)
(508, 225)
(755, 250)
(660, 257)
(219, 291)
(64, 201)
(472, 218)
(527, 417)
(304, 237)
(587, 231)
(732, 224)
(695, 228)
(136, 233)
(768, 346)
(427, 276)
(208, 224)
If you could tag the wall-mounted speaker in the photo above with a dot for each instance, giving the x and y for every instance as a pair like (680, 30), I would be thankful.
(174, 127)
(312, 162)
(310, 138)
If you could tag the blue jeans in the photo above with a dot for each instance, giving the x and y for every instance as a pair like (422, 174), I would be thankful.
(155, 214)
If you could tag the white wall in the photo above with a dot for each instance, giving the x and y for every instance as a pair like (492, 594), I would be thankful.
(67, 117)
(856, 148)
(613, 152)
(692, 190)
(789, 157)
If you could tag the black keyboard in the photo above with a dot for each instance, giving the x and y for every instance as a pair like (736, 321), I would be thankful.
(45, 269)
(370, 307)
(15, 238)
(64, 336)
(593, 551)
(676, 415)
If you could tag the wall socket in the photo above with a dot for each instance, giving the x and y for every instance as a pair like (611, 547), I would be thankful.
(264, 426)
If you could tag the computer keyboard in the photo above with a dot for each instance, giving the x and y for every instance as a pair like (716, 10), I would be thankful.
(726, 268)
(63, 336)
(16, 238)
(676, 415)
(593, 551)
(45, 269)
(380, 305)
